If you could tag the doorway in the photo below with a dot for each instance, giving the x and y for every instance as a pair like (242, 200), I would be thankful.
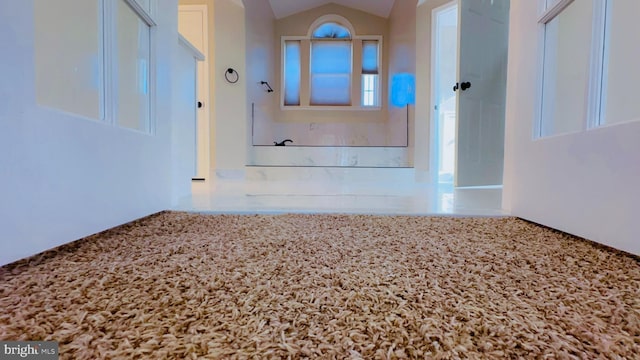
(444, 65)
(193, 25)
(469, 60)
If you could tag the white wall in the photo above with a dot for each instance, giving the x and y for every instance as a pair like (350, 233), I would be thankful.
(230, 99)
(63, 177)
(583, 183)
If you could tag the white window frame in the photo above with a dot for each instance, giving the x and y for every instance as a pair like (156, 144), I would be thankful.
(356, 69)
(596, 68)
(109, 35)
(146, 16)
(283, 49)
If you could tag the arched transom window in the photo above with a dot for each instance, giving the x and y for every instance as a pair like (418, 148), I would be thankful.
(331, 30)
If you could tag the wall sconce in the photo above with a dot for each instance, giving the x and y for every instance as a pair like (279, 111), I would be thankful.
(269, 89)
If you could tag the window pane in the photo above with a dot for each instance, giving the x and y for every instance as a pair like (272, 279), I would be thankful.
(331, 73)
(370, 57)
(292, 73)
(330, 89)
(567, 53)
(68, 62)
(330, 57)
(133, 69)
(620, 101)
(370, 90)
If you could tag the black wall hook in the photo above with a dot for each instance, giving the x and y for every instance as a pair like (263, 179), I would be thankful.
(269, 89)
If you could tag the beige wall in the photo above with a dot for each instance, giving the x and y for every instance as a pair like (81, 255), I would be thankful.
(231, 99)
(261, 48)
(402, 59)
(364, 23)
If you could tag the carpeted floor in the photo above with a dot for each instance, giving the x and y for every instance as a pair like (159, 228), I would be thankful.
(178, 285)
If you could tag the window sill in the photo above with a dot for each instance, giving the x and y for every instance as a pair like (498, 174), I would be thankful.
(330, 108)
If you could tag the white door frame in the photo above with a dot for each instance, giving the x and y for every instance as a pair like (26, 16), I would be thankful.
(203, 122)
(434, 151)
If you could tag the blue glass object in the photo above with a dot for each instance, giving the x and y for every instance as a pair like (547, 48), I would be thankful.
(403, 89)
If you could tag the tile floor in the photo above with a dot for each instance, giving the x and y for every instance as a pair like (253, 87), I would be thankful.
(355, 197)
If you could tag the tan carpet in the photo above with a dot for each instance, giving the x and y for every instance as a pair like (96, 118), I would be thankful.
(179, 285)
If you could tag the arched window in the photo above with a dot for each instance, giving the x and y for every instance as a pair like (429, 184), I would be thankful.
(330, 65)
(331, 41)
(331, 30)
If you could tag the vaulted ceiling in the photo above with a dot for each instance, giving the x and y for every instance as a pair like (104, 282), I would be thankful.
(283, 8)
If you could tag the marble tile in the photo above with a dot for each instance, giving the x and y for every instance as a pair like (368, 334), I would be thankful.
(335, 194)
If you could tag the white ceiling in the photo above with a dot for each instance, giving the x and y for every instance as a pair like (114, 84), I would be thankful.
(283, 8)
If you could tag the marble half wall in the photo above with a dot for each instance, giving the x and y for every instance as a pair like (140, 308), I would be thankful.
(334, 128)
(335, 156)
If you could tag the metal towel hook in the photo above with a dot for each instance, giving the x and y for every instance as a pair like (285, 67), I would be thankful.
(231, 76)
